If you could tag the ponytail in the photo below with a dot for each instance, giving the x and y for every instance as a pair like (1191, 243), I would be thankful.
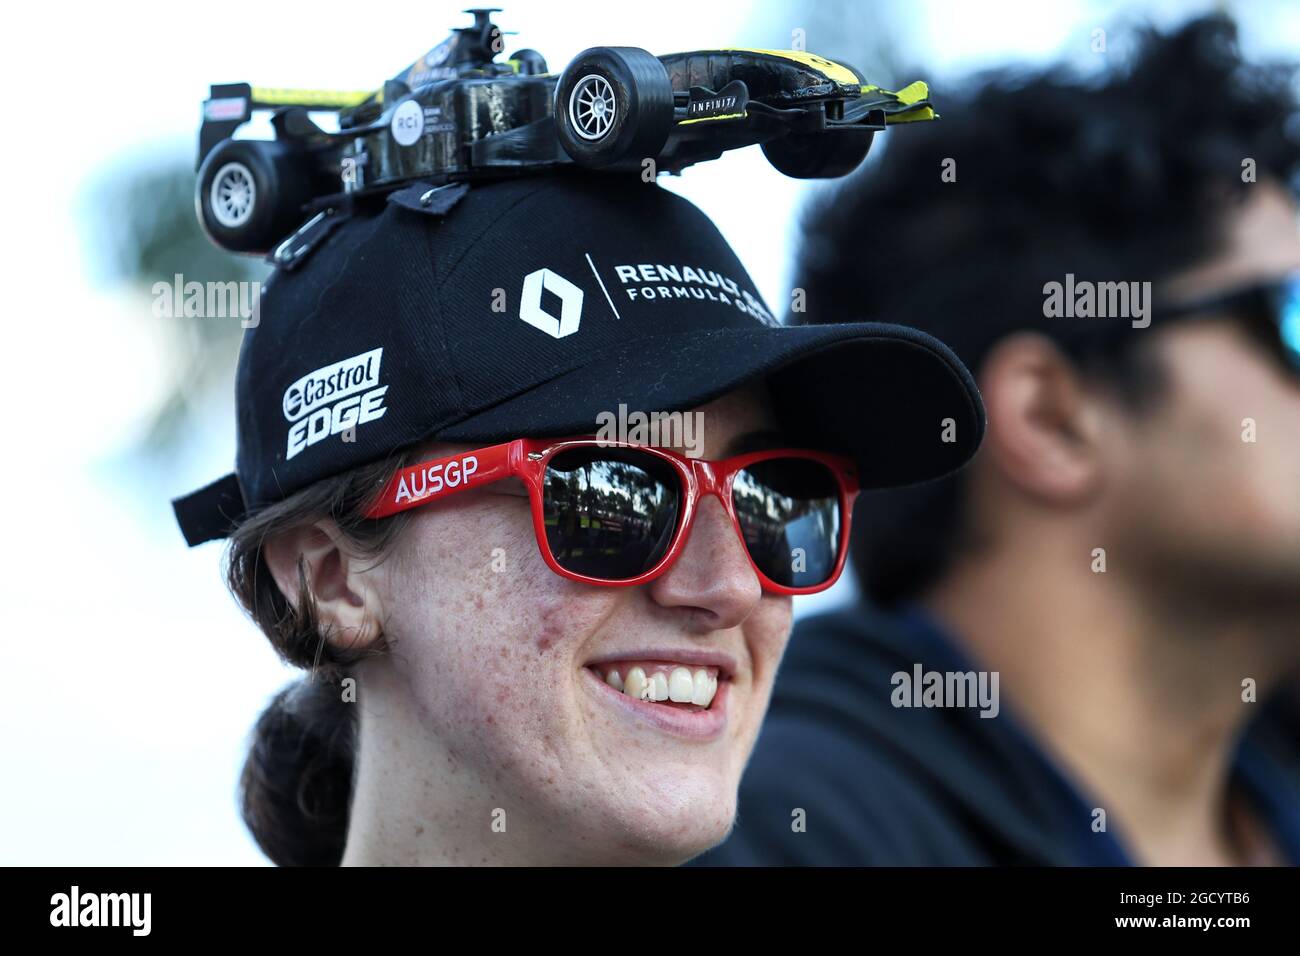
(296, 787)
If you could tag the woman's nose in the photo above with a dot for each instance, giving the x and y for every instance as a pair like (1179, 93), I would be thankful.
(713, 574)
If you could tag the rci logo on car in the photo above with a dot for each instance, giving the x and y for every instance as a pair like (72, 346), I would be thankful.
(408, 123)
(570, 296)
(333, 399)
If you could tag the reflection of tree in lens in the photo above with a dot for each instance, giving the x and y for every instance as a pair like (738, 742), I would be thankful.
(608, 513)
(786, 508)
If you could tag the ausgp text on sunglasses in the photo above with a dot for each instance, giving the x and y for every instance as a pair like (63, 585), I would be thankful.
(619, 514)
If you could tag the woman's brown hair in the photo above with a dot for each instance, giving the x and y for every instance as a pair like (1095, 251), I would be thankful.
(296, 785)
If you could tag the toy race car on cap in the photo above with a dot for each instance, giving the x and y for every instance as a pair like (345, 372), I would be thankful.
(456, 114)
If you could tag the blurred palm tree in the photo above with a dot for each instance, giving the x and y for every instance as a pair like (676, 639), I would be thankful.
(144, 228)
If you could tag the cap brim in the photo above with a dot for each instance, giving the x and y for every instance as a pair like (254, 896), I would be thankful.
(895, 399)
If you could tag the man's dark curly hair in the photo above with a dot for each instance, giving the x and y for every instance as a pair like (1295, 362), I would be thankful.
(1126, 177)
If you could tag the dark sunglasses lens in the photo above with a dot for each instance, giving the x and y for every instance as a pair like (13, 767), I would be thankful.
(610, 513)
(789, 511)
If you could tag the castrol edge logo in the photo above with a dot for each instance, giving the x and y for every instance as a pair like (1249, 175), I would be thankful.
(334, 399)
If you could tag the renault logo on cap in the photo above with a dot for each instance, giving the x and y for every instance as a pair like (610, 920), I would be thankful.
(570, 296)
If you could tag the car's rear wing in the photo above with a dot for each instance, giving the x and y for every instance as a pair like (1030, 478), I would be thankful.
(230, 105)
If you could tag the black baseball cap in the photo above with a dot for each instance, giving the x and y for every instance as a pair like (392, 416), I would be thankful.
(526, 308)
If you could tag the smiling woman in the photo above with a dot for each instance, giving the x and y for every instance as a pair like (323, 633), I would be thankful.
(490, 676)
(525, 644)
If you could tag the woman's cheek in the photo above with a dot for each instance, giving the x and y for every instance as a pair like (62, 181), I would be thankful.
(769, 631)
(488, 634)
(767, 634)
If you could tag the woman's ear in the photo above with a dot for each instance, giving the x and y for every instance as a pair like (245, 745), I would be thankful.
(341, 581)
(1043, 424)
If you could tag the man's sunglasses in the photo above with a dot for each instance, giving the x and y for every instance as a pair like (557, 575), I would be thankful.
(1274, 305)
(620, 514)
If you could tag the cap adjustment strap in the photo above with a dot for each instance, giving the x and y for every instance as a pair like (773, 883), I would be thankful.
(211, 512)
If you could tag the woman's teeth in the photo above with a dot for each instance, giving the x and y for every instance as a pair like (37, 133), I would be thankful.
(663, 683)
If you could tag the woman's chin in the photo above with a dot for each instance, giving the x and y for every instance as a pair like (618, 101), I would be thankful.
(681, 823)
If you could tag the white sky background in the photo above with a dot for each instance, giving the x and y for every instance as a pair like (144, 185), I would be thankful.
(131, 679)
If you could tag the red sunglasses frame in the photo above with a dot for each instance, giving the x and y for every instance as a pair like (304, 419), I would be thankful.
(527, 459)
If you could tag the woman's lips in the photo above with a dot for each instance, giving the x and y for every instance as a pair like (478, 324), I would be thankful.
(681, 718)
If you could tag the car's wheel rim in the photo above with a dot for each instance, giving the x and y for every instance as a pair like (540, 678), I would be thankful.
(592, 106)
(232, 195)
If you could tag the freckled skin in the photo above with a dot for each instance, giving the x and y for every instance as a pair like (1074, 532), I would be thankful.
(488, 665)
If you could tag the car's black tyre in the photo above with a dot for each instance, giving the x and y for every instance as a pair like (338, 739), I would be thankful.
(251, 193)
(613, 107)
(819, 155)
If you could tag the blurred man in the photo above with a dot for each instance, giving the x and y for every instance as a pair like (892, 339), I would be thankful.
(1071, 645)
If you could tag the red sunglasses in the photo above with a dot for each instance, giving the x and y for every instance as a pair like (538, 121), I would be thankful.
(619, 514)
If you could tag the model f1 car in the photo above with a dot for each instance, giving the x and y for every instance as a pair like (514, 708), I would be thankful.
(457, 114)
